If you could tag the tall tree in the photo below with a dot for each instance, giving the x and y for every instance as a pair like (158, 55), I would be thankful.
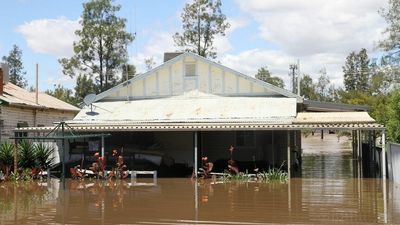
(356, 71)
(128, 72)
(84, 86)
(102, 49)
(202, 21)
(391, 43)
(264, 75)
(349, 71)
(324, 89)
(363, 74)
(149, 62)
(63, 94)
(307, 87)
(16, 68)
(393, 124)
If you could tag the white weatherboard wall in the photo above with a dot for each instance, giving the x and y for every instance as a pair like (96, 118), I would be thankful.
(169, 79)
(395, 161)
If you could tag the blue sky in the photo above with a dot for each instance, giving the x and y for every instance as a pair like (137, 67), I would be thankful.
(272, 33)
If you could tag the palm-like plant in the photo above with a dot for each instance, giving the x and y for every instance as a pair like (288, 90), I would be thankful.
(26, 158)
(43, 154)
(6, 157)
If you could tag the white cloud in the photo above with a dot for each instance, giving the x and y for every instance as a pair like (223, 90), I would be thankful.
(248, 62)
(319, 33)
(157, 41)
(155, 46)
(50, 36)
(306, 27)
(222, 43)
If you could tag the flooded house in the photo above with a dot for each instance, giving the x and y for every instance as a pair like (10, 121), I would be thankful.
(190, 107)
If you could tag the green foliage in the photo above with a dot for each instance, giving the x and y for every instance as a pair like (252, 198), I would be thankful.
(322, 90)
(273, 174)
(129, 71)
(393, 124)
(62, 93)
(6, 157)
(264, 75)
(356, 71)
(84, 86)
(23, 175)
(101, 50)
(391, 43)
(43, 154)
(241, 177)
(202, 20)
(26, 155)
(307, 87)
(16, 69)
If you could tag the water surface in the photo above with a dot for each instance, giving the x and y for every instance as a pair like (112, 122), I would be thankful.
(327, 194)
(172, 201)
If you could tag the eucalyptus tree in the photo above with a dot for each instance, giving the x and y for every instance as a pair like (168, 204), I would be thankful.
(101, 51)
(202, 21)
(16, 67)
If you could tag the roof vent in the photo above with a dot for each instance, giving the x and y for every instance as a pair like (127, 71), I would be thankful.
(170, 55)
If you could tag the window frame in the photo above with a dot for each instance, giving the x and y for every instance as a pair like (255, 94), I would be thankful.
(186, 69)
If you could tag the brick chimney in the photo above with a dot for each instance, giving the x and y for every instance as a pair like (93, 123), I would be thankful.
(170, 55)
(1, 81)
(3, 76)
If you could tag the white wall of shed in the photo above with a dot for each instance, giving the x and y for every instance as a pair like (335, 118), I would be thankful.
(11, 116)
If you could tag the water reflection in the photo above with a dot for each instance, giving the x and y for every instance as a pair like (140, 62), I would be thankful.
(327, 194)
(327, 158)
(314, 201)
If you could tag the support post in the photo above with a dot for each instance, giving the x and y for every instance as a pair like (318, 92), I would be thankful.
(195, 153)
(288, 154)
(384, 190)
(63, 152)
(102, 145)
(359, 152)
(383, 156)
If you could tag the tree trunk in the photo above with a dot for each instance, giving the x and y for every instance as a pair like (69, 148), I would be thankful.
(101, 64)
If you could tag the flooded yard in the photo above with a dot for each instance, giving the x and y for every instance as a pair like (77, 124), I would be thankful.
(327, 193)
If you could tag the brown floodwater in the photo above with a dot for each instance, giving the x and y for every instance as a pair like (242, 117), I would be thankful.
(326, 194)
(183, 201)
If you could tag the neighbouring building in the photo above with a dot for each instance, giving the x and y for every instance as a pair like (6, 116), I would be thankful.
(21, 108)
(190, 107)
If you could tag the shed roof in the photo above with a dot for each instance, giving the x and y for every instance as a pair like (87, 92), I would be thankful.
(17, 96)
(333, 118)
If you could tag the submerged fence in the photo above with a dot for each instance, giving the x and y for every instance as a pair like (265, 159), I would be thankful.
(394, 171)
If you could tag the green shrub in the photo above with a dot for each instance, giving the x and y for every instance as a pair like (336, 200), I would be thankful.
(243, 177)
(43, 154)
(26, 155)
(6, 157)
(273, 174)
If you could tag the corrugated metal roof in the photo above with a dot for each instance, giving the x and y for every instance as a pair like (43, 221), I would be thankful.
(15, 95)
(191, 108)
(333, 118)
